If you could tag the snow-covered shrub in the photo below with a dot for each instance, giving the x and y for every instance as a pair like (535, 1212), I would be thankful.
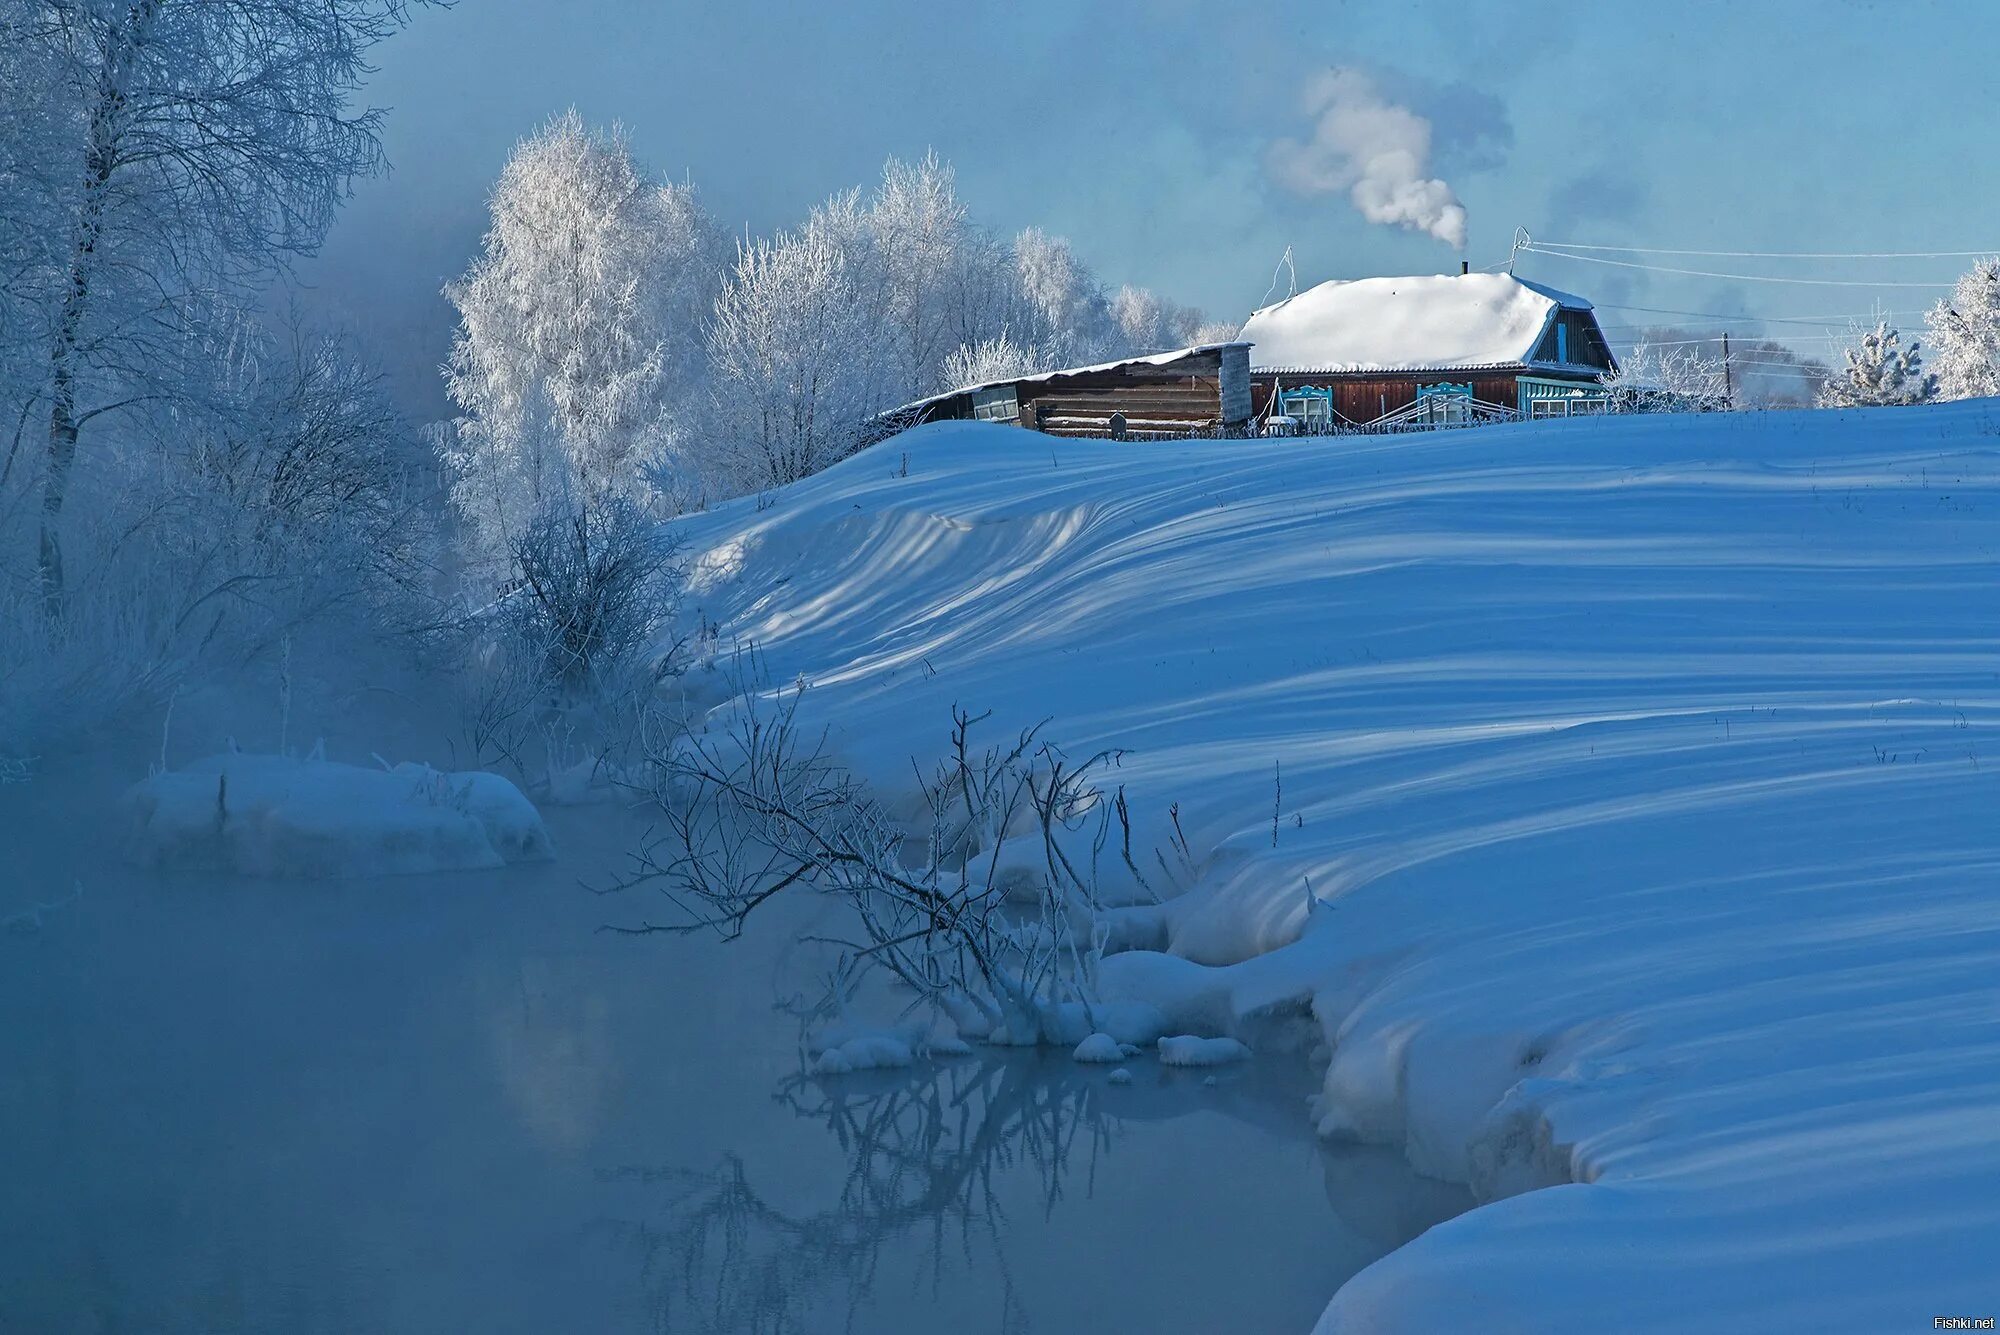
(1880, 371)
(113, 651)
(287, 503)
(594, 587)
(1675, 379)
(1965, 334)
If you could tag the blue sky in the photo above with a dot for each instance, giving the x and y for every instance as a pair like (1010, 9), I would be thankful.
(1141, 133)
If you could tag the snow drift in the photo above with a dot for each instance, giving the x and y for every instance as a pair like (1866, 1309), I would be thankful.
(1617, 798)
(262, 815)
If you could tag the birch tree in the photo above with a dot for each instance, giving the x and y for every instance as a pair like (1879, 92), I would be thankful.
(581, 331)
(188, 149)
(1066, 311)
(794, 359)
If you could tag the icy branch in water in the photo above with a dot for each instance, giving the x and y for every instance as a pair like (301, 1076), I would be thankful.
(975, 894)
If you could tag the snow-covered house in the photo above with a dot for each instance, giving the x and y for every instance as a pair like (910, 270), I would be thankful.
(1438, 349)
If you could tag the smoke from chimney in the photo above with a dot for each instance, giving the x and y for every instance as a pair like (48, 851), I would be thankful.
(1377, 151)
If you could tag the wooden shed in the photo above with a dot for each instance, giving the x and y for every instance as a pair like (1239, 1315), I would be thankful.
(1202, 390)
(1445, 348)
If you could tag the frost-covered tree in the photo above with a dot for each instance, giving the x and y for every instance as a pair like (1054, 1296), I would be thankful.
(581, 332)
(1066, 310)
(881, 300)
(795, 353)
(289, 500)
(1215, 331)
(1965, 335)
(943, 282)
(169, 155)
(998, 358)
(1151, 323)
(1879, 371)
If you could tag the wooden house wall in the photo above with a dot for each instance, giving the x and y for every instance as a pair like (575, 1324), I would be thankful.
(1183, 396)
(1581, 337)
(1083, 405)
(1362, 397)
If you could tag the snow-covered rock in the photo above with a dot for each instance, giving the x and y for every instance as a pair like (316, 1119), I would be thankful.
(866, 1052)
(1190, 1050)
(262, 815)
(847, 1045)
(1100, 1048)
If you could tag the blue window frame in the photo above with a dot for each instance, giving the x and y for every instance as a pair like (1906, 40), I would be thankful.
(1312, 405)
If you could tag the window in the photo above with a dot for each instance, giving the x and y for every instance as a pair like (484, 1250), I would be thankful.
(999, 404)
(1544, 397)
(1312, 407)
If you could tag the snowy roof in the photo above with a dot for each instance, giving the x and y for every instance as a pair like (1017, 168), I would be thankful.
(1433, 321)
(1150, 359)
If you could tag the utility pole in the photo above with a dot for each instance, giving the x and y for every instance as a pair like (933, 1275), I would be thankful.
(1728, 381)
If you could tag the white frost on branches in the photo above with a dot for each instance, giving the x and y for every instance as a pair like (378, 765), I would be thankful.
(881, 299)
(794, 365)
(998, 358)
(1880, 371)
(580, 336)
(1066, 310)
(1664, 378)
(1965, 335)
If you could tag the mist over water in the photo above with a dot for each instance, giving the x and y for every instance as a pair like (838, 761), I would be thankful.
(451, 1103)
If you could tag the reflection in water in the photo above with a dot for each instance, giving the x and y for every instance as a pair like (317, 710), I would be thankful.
(936, 1156)
(923, 1147)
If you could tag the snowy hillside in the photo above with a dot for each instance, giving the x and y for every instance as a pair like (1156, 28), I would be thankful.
(1647, 770)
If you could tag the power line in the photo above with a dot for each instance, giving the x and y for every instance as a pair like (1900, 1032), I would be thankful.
(1717, 338)
(1816, 320)
(1803, 282)
(1779, 254)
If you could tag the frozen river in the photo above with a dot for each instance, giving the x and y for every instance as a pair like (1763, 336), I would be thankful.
(450, 1103)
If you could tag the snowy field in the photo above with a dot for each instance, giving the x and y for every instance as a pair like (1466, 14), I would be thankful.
(1644, 772)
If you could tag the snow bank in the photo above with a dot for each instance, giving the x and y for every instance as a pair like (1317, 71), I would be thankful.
(260, 815)
(1616, 798)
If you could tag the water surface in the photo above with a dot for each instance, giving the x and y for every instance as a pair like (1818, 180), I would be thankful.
(450, 1103)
